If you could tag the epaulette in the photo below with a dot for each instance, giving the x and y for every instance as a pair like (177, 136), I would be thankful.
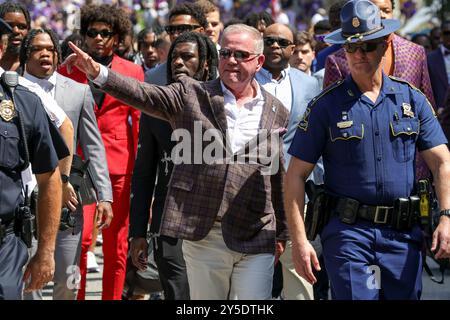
(404, 81)
(303, 124)
(331, 87)
(416, 89)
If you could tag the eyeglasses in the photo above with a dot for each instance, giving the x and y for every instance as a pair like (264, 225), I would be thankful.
(105, 33)
(181, 28)
(446, 33)
(365, 46)
(239, 55)
(283, 43)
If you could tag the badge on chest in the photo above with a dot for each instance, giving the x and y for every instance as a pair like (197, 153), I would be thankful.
(7, 110)
(407, 110)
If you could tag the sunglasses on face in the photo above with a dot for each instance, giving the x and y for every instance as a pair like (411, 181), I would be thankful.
(445, 33)
(239, 55)
(181, 28)
(92, 33)
(365, 47)
(283, 43)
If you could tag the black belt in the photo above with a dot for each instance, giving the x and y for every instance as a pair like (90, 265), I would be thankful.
(397, 216)
(375, 214)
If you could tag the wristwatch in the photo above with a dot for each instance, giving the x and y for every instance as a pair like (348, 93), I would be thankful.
(64, 178)
(445, 212)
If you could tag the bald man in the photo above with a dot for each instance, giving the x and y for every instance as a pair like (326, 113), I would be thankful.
(294, 89)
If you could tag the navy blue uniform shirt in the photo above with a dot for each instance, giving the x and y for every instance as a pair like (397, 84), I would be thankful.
(43, 157)
(368, 148)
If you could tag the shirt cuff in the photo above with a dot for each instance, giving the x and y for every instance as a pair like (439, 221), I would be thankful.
(102, 76)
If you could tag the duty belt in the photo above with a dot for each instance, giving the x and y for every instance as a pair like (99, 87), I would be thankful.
(375, 214)
(404, 213)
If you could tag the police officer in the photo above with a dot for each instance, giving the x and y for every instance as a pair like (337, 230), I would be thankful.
(25, 135)
(367, 128)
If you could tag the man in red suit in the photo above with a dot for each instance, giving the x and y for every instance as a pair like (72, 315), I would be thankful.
(102, 27)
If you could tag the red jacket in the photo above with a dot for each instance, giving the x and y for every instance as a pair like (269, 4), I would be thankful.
(120, 139)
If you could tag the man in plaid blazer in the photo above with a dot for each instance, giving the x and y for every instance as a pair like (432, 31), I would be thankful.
(230, 214)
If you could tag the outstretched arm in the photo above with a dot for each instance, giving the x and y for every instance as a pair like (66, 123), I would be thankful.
(161, 102)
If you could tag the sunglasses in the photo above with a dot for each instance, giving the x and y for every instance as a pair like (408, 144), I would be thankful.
(181, 28)
(92, 33)
(365, 47)
(283, 43)
(446, 33)
(239, 55)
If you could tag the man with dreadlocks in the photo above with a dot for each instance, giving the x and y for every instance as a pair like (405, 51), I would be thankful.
(40, 56)
(103, 27)
(194, 55)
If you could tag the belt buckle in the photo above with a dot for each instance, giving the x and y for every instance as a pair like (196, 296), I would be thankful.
(383, 210)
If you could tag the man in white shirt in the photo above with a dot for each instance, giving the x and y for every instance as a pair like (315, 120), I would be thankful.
(294, 89)
(229, 213)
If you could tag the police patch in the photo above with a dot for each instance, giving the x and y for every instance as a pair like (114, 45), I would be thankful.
(303, 124)
(7, 110)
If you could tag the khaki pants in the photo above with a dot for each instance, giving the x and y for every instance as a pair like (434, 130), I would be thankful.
(218, 273)
(294, 286)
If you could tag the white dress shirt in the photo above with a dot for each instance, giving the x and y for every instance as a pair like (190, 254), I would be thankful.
(281, 89)
(243, 122)
(47, 84)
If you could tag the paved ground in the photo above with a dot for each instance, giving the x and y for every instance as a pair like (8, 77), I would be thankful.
(431, 290)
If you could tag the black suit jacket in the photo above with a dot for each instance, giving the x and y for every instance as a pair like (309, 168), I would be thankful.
(152, 169)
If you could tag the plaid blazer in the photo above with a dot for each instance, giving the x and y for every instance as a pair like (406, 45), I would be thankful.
(250, 203)
(410, 64)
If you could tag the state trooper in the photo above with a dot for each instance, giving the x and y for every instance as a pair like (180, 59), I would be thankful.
(367, 128)
(25, 139)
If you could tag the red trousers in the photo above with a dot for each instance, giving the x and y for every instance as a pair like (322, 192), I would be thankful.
(115, 241)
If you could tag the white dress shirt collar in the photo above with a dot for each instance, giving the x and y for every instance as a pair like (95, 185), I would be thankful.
(47, 84)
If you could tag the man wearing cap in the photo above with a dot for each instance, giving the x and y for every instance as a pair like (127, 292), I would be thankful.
(367, 127)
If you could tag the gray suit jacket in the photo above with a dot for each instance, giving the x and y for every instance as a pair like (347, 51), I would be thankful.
(77, 101)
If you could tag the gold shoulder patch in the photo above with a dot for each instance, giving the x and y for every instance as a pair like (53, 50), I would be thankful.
(303, 124)
(416, 89)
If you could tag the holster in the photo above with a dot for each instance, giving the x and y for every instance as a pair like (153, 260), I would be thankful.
(81, 180)
(317, 213)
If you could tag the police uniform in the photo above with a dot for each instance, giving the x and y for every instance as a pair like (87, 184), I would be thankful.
(43, 158)
(368, 152)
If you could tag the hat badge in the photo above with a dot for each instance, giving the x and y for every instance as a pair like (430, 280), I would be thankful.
(355, 22)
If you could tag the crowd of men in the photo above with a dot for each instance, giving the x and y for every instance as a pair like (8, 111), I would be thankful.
(194, 152)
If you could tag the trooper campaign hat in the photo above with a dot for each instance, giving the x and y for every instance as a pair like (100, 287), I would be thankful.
(361, 21)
